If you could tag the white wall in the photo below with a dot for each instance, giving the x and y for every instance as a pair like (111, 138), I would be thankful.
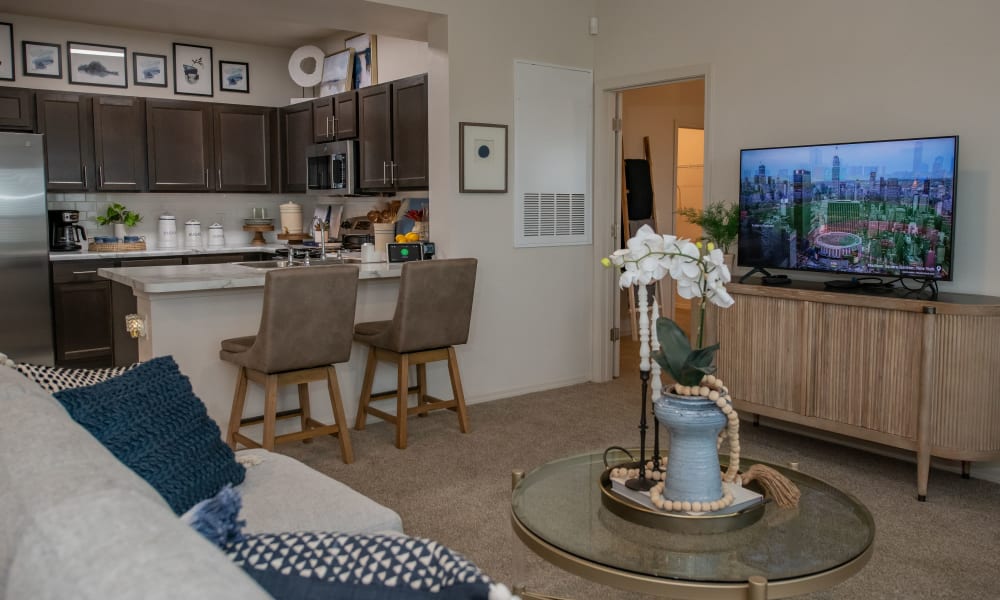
(270, 84)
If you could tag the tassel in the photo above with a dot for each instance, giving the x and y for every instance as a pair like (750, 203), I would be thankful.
(778, 487)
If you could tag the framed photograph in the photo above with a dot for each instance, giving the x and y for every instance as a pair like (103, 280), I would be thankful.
(337, 73)
(482, 158)
(365, 70)
(149, 69)
(234, 76)
(96, 64)
(39, 59)
(192, 70)
(6, 51)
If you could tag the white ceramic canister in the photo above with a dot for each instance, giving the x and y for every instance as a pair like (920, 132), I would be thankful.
(167, 231)
(216, 236)
(192, 234)
(291, 217)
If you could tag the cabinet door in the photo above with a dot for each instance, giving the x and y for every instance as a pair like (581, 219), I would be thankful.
(244, 148)
(179, 141)
(375, 134)
(345, 109)
(409, 132)
(296, 134)
(67, 123)
(323, 124)
(120, 143)
(17, 109)
(215, 259)
(82, 322)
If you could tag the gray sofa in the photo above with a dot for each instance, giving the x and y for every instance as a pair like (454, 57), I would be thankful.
(77, 523)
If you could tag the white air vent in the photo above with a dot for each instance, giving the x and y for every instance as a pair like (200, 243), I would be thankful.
(554, 215)
(553, 116)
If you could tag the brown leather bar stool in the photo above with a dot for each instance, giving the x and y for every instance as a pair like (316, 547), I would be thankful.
(305, 328)
(432, 316)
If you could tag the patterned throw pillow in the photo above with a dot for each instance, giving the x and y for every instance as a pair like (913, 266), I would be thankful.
(54, 379)
(150, 419)
(308, 565)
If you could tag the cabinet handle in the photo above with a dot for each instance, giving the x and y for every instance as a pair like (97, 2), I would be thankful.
(85, 183)
(100, 175)
(384, 164)
(84, 272)
(333, 126)
(220, 179)
(392, 172)
(206, 178)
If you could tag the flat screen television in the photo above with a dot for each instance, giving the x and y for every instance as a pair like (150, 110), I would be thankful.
(882, 208)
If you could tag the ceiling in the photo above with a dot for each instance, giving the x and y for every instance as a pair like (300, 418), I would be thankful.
(281, 23)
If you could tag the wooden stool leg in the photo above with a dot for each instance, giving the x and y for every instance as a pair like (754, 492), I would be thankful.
(270, 411)
(402, 400)
(236, 415)
(422, 386)
(305, 408)
(339, 419)
(366, 391)
(456, 388)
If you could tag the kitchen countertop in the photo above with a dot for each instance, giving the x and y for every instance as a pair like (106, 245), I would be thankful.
(84, 255)
(190, 278)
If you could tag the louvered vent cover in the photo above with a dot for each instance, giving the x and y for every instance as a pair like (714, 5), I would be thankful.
(554, 215)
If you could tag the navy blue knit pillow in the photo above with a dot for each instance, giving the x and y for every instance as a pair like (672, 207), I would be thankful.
(150, 419)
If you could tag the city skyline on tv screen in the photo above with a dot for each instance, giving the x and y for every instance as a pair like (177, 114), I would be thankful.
(865, 208)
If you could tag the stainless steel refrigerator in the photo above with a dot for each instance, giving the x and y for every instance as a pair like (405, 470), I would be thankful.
(25, 305)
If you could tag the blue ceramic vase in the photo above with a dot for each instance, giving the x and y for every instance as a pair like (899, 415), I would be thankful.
(694, 422)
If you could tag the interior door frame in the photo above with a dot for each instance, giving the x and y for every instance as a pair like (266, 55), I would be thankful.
(607, 214)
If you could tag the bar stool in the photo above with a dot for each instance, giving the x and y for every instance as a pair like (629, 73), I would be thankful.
(432, 316)
(305, 328)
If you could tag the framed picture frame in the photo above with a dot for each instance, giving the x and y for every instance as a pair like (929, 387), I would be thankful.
(234, 76)
(482, 158)
(193, 70)
(41, 59)
(365, 71)
(337, 73)
(149, 69)
(96, 64)
(6, 51)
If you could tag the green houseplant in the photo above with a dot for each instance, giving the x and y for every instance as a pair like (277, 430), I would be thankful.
(120, 217)
(719, 221)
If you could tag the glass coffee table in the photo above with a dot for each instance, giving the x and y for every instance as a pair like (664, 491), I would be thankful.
(557, 511)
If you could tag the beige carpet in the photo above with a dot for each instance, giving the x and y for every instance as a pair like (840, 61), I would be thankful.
(455, 488)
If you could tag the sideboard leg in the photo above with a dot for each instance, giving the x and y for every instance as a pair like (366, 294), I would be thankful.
(757, 588)
(966, 469)
(924, 405)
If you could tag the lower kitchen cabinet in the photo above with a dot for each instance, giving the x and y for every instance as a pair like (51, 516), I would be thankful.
(81, 306)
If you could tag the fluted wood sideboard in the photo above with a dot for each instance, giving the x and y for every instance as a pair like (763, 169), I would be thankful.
(902, 371)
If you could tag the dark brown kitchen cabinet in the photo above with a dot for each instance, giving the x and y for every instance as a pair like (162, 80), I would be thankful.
(245, 138)
(296, 134)
(81, 306)
(324, 126)
(66, 121)
(17, 109)
(120, 143)
(345, 109)
(392, 128)
(179, 143)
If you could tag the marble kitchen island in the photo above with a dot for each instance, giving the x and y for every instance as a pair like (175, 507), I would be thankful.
(190, 309)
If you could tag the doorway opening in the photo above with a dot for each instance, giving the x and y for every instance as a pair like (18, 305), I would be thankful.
(663, 125)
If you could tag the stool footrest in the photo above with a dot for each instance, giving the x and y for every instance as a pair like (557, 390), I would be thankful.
(285, 414)
(413, 389)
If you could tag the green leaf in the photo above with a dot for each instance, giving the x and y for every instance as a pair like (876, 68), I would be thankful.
(692, 375)
(674, 346)
(702, 357)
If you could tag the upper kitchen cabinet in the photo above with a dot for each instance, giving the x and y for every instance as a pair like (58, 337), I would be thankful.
(335, 117)
(392, 128)
(120, 143)
(296, 134)
(17, 109)
(180, 140)
(66, 121)
(245, 138)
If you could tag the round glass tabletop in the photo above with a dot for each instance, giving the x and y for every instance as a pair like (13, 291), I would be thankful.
(560, 503)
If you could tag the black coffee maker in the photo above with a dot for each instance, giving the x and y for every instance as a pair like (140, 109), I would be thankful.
(64, 233)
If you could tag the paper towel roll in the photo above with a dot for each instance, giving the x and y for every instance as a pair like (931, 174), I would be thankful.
(299, 76)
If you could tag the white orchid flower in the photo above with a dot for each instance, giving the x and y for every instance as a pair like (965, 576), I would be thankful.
(687, 265)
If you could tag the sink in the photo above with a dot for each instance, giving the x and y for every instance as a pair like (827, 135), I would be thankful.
(315, 262)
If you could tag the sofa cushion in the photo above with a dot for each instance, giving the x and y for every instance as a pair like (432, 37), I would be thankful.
(76, 523)
(54, 379)
(337, 565)
(151, 420)
(282, 494)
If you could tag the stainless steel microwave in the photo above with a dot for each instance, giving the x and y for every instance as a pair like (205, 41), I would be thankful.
(333, 169)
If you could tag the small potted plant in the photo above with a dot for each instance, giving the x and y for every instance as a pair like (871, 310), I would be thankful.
(720, 223)
(120, 217)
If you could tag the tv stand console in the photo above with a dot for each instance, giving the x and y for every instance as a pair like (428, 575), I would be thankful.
(917, 374)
